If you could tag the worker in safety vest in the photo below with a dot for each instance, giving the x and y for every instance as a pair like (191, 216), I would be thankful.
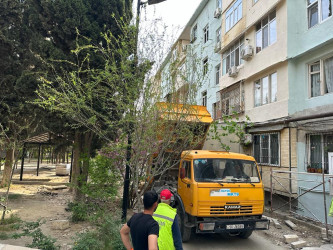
(166, 216)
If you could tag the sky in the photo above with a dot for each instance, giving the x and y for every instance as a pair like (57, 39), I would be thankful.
(166, 20)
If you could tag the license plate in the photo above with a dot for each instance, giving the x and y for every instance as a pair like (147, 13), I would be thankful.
(235, 226)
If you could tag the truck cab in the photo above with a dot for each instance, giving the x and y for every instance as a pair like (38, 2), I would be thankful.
(219, 192)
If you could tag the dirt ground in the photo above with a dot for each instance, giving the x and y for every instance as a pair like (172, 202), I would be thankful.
(36, 201)
(33, 200)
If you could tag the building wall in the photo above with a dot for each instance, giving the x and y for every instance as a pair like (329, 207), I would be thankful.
(272, 110)
(301, 103)
(301, 39)
(206, 50)
(305, 46)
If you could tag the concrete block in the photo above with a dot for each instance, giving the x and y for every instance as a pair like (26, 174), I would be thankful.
(326, 247)
(61, 170)
(56, 187)
(290, 224)
(298, 244)
(60, 224)
(290, 238)
(276, 224)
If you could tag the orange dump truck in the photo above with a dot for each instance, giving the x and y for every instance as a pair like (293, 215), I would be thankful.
(217, 191)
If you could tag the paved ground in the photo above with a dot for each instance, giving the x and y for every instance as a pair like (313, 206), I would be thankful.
(256, 241)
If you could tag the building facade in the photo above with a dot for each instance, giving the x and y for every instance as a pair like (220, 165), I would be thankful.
(271, 61)
(310, 73)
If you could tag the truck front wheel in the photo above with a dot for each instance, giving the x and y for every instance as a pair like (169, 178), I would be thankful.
(245, 234)
(185, 231)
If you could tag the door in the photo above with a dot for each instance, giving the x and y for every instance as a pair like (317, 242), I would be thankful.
(185, 186)
(330, 162)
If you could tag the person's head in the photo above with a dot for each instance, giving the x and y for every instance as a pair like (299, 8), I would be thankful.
(165, 196)
(150, 199)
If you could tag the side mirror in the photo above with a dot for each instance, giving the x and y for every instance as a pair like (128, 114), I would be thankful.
(182, 173)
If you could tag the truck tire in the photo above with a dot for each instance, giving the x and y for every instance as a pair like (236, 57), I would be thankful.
(245, 234)
(186, 232)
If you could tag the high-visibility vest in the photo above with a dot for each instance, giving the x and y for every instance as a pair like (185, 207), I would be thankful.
(165, 215)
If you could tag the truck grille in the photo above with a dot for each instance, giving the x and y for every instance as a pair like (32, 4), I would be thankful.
(206, 208)
(243, 210)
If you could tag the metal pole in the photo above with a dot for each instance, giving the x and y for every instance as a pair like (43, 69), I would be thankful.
(324, 194)
(71, 169)
(22, 161)
(290, 186)
(271, 190)
(129, 147)
(38, 158)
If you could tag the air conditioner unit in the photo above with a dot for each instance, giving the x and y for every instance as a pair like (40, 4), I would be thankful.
(247, 139)
(247, 52)
(233, 71)
(217, 13)
(217, 46)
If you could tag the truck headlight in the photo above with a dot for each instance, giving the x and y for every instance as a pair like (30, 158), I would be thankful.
(262, 225)
(206, 226)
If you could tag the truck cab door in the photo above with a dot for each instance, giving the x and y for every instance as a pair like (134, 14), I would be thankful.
(185, 185)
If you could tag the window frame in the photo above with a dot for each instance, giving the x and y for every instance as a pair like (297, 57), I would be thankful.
(261, 31)
(218, 35)
(229, 96)
(217, 73)
(205, 66)
(194, 33)
(269, 76)
(206, 33)
(230, 15)
(204, 98)
(323, 85)
(319, 7)
(239, 44)
(324, 164)
(259, 161)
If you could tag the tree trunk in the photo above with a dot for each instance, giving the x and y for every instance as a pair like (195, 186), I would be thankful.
(80, 168)
(8, 167)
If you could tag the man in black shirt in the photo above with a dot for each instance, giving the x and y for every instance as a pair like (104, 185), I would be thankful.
(143, 228)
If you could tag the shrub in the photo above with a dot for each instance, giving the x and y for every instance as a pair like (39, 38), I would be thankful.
(106, 236)
(79, 211)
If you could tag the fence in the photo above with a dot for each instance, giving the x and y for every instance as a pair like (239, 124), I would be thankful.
(310, 202)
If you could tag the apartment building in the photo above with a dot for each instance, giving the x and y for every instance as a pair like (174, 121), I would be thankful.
(310, 73)
(273, 62)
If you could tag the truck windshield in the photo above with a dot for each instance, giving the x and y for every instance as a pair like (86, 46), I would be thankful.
(225, 170)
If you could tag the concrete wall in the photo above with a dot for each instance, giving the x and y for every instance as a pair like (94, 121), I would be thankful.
(203, 50)
(301, 103)
(300, 38)
(269, 60)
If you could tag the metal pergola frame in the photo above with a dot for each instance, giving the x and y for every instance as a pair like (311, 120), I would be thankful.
(41, 139)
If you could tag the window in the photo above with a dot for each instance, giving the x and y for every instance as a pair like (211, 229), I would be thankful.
(206, 33)
(217, 74)
(194, 33)
(232, 56)
(265, 90)
(321, 77)
(266, 148)
(205, 66)
(187, 166)
(254, 1)
(233, 15)
(215, 111)
(319, 145)
(204, 98)
(318, 11)
(219, 4)
(231, 100)
(218, 35)
(266, 32)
